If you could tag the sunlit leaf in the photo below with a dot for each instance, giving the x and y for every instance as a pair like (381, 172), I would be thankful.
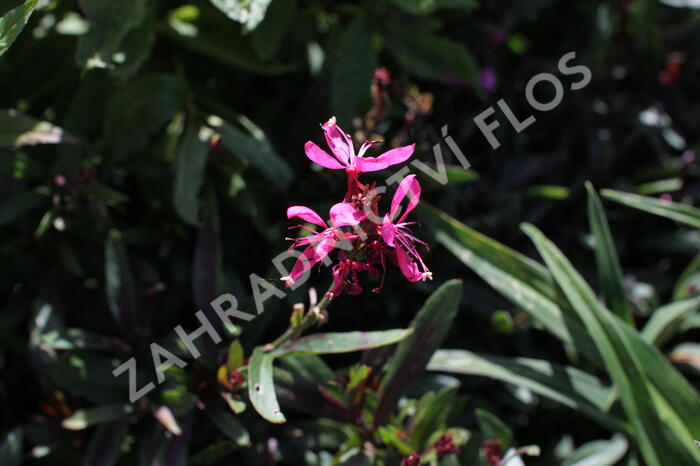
(569, 386)
(609, 268)
(250, 13)
(675, 211)
(329, 343)
(641, 401)
(12, 23)
(261, 388)
(666, 319)
(84, 418)
(18, 130)
(599, 453)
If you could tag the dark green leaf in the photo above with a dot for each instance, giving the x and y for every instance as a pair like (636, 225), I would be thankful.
(433, 57)
(606, 258)
(119, 282)
(231, 427)
(599, 452)
(190, 161)
(19, 205)
(352, 71)
(105, 447)
(267, 37)
(110, 21)
(432, 413)
(11, 448)
(492, 428)
(253, 146)
(424, 7)
(140, 109)
(430, 326)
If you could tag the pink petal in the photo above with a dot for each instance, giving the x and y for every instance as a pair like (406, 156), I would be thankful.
(409, 186)
(408, 266)
(343, 214)
(338, 281)
(310, 257)
(307, 214)
(387, 159)
(321, 157)
(338, 141)
(388, 231)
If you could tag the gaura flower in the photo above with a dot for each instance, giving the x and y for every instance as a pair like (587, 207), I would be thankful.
(344, 156)
(319, 244)
(345, 276)
(396, 233)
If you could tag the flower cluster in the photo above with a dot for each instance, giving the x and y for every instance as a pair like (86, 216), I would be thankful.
(445, 446)
(363, 240)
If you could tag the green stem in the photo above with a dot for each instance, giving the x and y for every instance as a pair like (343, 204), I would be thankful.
(311, 318)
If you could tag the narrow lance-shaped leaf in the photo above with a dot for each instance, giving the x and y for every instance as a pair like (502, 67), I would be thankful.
(329, 343)
(689, 278)
(675, 211)
(432, 413)
(190, 160)
(493, 428)
(524, 282)
(569, 386)
(665, 320)
(121, 292)
(231, 427)
(430, 326)
(658, 440)
(609, 268)
(105, 447)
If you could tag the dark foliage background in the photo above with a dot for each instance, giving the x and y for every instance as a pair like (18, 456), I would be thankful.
(118, 222)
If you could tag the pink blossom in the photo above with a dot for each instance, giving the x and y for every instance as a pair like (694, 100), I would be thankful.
(367, 246)
(345, 276)
(344, 157)
(319, 244)
(399, 236)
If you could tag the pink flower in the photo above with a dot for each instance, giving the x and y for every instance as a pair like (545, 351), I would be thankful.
(345, 276)
(399, 236)
(320, 244)
(344, 156)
